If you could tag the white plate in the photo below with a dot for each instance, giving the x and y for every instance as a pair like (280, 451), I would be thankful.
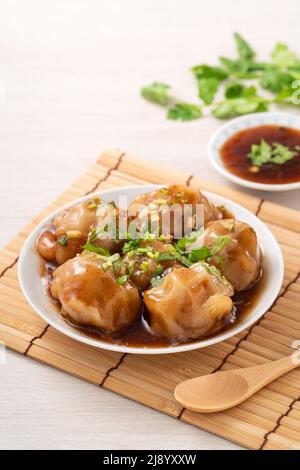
(31, 285)
(244, 122)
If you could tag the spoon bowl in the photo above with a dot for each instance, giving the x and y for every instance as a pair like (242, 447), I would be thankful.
(223, 390)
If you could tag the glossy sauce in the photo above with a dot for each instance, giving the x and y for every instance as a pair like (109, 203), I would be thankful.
(235, 150)
(139, 334)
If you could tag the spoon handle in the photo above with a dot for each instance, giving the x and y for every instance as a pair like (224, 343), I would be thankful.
(259, 376)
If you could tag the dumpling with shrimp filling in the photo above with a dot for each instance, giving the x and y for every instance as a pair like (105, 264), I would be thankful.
(91, 295)
(190, 303)
(238, 253)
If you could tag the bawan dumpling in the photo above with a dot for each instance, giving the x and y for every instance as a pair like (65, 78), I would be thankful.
(190, 303)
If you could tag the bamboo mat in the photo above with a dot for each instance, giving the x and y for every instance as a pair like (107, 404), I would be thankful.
(268, 420)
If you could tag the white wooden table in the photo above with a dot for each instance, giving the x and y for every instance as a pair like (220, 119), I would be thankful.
(72, 72)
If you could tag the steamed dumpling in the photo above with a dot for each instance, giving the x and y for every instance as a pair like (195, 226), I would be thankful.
(72, 228)
(190, 303)
(157, 203)
(240, 258)
(91, 295)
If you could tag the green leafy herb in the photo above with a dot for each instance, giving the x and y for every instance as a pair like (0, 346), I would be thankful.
(244, 50)
(283, 57)
(110, 261)
(276, 76)
(234, 89)
(184, 112)
(208, 87)
(176, 257)
(209, 79)
(199, 254)
(238, 106)
(207, 71)
(95, 249)
(156, 92)
(264, 153)
(122, 279)
(63, 240)
(158, 270)
(188, 239)
(131, 245)
(204, 252)
(89, 245)
(119, 267)
(145, 266)
(237, 68)
(220, 243)
(277, 81)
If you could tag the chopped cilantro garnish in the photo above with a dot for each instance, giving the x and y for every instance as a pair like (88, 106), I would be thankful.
(63, 240)
(145, 266)
(95, 249)
(264, 153)
(110, 260)
(199, 254)
(158, 270)
(122, 279)
(189, 239)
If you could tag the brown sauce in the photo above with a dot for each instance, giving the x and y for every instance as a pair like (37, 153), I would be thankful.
(139, 334)
(235, 150)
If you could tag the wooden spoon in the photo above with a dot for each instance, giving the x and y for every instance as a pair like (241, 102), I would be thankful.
(222, 390)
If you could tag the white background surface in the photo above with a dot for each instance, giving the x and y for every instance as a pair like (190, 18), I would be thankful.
(72, 71)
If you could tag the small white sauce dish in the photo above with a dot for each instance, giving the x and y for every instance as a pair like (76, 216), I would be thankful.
(245, 122)
(33, 290)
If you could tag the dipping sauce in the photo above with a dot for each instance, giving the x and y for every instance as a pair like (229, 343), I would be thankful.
(235, 151)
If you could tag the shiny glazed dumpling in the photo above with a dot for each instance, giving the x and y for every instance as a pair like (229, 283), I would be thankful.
(190, 303)
(240, 258)
(91, 295)
(174, 195)
(72, 228)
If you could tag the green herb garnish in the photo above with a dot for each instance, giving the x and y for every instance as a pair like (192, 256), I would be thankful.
(188, 240)
(95, 249)
(122, 279)
(156, 92)
(184, 112)
(244, 50)
(63, 240)
(158, 270)
(264, 153)
(145, 266)
(89, 245)
(110, 260)
(176, 257)
(199, 254)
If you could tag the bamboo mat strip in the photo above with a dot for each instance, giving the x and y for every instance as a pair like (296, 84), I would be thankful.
(268, 420)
